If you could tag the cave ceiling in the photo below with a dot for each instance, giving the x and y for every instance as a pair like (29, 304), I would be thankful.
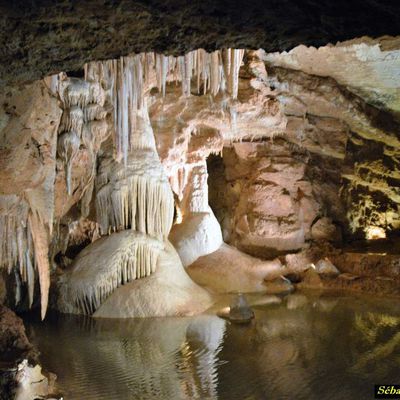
(42, 37)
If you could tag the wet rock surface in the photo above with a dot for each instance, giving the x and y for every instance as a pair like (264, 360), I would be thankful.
(14, 345)
(14, 348)
(240, 312)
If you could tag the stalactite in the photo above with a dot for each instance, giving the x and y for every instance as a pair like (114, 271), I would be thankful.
(178, 178)
(67, 149)
(142, 203)
(14, 241)
(30, 278)
(72, 120)
(20, 246)
(24, 238)
(83, 117)
(17, 287)
(138, 194)
(128, 77)
(40, 244)
(162, 69)
(215, 73)
(237, 58)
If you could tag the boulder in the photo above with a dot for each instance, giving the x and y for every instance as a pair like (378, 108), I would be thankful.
(279, 285)
(230, 270)
(325, 267)
(240, 312)
(324, 229)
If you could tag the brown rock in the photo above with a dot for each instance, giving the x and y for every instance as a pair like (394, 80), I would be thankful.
(324, 229)
(14, 345)
(311, 278)
(278, 286)
(325, 267)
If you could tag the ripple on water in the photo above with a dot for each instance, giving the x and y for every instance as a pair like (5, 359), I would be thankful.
(318, 346)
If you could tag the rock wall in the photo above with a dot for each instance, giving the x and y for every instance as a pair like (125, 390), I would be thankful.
(298, 157)
(331, 172)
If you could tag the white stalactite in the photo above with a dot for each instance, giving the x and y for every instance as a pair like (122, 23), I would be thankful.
(30, 278)
(40, 244)
(138, 194)
(237, 58)
(140, 203)
(127, 79)
(23, 240)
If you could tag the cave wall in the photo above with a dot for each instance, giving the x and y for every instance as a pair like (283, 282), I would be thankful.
(302, 158)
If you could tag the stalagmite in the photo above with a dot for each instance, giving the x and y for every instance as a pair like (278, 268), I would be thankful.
(134, 194)
(167, 292)
(105, 265)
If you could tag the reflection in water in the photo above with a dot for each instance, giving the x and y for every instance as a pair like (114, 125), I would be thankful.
(310, 346)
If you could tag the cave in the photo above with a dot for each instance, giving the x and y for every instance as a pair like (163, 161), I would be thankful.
(199, 200)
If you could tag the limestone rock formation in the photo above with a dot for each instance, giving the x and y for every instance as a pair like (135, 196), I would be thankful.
(270, 153)
(30, 118)
(167, 292)
(133, 200)
(199, 234)
(368, 68)
(229, 270)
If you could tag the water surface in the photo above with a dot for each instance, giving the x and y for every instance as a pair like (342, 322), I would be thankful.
(310, 346)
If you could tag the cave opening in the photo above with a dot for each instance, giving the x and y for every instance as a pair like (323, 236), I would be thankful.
(199, 201)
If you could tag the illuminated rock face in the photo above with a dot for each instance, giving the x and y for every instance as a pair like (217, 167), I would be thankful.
(296, 158)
